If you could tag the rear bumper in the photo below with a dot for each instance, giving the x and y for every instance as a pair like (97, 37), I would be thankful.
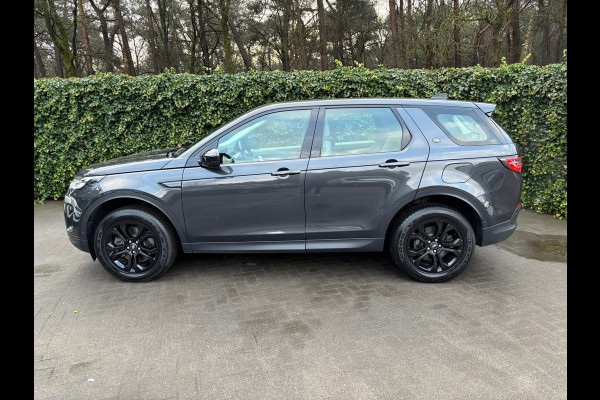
(501, 231)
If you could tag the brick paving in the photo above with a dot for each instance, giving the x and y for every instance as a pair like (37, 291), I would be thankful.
(297, 326)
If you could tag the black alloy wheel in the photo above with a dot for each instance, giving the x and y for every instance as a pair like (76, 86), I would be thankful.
(135, 244)
(432, 243)
(132, 246)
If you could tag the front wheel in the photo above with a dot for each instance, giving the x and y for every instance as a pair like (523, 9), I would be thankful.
(433, 243)
(135, 244)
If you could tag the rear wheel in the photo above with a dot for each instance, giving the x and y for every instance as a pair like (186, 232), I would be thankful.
(432, 243)
(135, 244)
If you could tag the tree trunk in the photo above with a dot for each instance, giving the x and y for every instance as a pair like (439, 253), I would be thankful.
(394, 29)
(39, 61)
(151, 34)
(86, 40)
(107, 39)
(65, 56)
(240, 44)
(203, 42)
(527, 43)
(166, 59)
(129, 66)
(545, 25)
(322, 35)
(563, 24)
(514, 34)
(224, 21)
(285, 36)
(301, 38)
(428, 38)
(59, 63)
(402, 36)
(557, 32)
(457, 60)
(408, 35)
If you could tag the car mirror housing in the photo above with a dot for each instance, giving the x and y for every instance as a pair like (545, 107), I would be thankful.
(210, 159)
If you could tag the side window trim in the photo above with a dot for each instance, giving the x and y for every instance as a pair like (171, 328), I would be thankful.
(304, 152)
(317, 141)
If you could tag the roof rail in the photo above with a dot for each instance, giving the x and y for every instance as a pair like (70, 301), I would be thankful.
(440, 96)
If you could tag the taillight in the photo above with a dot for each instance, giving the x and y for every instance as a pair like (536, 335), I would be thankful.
(512, 163)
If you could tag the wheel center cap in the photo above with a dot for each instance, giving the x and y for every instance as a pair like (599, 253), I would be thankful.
(133, 246)
(434, 245)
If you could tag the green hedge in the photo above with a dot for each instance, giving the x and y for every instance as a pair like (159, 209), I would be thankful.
(80, 121)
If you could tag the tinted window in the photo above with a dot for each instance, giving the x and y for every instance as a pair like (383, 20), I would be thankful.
(461, 125)
(275, 136)
(360, 130)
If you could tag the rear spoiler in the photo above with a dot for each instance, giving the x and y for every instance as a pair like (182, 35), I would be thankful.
(487, 108)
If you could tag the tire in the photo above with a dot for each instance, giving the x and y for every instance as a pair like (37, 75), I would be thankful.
(432, 243)
(135, 244)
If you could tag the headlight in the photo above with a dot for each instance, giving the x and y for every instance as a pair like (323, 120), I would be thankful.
(80, 182)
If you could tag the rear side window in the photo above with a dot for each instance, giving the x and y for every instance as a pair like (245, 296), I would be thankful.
(461, 125)
(357, 130)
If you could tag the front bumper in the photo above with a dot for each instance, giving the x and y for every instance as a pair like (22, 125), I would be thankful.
(80, 243)
(501, 231)
(76, 201)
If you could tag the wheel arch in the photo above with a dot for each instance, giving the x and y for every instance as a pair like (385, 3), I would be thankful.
(110, 202)
(456, 199)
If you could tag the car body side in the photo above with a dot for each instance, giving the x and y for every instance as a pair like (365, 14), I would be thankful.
(347, 206)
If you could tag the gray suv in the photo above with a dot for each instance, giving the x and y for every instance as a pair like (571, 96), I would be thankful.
(425, 179)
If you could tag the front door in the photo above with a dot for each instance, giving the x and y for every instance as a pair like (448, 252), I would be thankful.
(255, 200)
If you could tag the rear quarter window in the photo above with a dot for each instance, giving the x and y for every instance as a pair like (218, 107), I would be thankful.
(462, 125)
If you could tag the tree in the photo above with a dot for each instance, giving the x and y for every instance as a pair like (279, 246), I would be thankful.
(151, 35)
(394, 29)
(86, 40)
(59, 33)
(456, 13)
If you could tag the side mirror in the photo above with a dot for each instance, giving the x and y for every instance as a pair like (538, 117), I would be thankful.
(210, 159)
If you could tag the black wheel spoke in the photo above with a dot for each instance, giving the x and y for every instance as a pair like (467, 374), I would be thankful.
(134, 264)
(441, 262)
(418, 260)
(423, 232)
(447, 229)
(439, 225)
(125, 231)
(148, 256)
(416, 252)
(434, 266)
(118, 233)
(149, 251)
(455, 243)
(450, 250)
(117, 254)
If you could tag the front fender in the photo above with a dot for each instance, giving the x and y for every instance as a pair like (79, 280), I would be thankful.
(160, 189)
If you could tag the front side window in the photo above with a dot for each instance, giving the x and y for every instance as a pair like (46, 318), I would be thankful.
(357, 130)
(275, 136)
(462, 126)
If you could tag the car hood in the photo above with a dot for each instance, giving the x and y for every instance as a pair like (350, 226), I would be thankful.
(151, 160)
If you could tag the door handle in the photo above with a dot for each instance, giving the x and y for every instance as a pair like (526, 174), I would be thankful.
(394, 163)
(285, 171)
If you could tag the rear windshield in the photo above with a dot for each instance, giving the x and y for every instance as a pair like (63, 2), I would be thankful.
(462, 125)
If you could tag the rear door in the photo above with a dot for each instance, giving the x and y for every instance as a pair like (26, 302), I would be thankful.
(364, 165)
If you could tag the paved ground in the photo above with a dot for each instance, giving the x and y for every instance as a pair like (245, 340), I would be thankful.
(326, 326)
